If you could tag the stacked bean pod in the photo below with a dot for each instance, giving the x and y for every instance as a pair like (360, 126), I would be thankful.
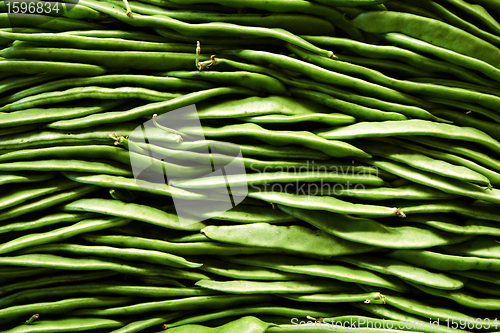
(368, 130)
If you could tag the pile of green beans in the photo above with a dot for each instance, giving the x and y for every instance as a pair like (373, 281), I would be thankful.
(368, 193)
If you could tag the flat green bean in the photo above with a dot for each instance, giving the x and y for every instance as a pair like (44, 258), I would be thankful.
(374, 233)
(34, 239)
(44, 221)
(153, 257)
(295, 239)
(25, 177)
(67, 325)
(481, 246)
(131, 210)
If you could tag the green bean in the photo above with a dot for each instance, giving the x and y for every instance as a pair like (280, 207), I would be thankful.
(242, 272)
(462, 148)
(131, 210)
(445, 262)
(279, 287)
(150, 109)
(480, 275)
(248, 324)
(60, 68)
(478, 209)
(411, 127)
(54, 280)
(329, 13)
(88, 92)
(44, 221)
(463, 298)
(252, 214)
(136, 326)
(279, 138)
(399, 6)
(24, 177)
(66, 39)
(192, 248)
(196, 237)
(407, 192)
(120, 34)
(14, 312)
(252, 179)
(342, 297)
(357, 111)
(184, 304)
(132, 184)
(479, 13)
(329, 204)
(320, 327)
(47, 201)
(481, 246)
(67, 325)
(464, 120)
(449, 55)
(494, 177)
(407, 273)
(401, 54)
(345, 95)
(68, 165)
(34, 239)
(113, 80)
(202, 29)
(371, 232)
(89, 264)
(45, 22)
(459, 84)
(328, 119)
(18, 82)
(402, 85)
(302, 24)
(254, 81)
(294, 239)
(441, 183)
(428, 30)
(422, 162)
(458, 226)
(96, 135)
(325, 76)
(42, 115)
(459, 22)
(153, 257)
(467, 107)
(21, 194)
(390, 68)
(96, 288)
(140, 60)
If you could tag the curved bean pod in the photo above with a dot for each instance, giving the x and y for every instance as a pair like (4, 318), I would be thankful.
(24, 177)
(481, 246)
(295, 239)
(80, 227)
(408, 273)
(90, 264)
(329, 204)
(373, 297)
(192, 248)
(108, 167)
(46, 22)
(280, 287)
(47, 201)
(131, 210)
(429, 30)
(73, 94)
(153, 257)
(67, 325)
(468, 227)
(445, 262)
(44, 221)
(14, 312)
(411, 127)
(52, 67)
(182, 304)
(371, 232)
(150, 109)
